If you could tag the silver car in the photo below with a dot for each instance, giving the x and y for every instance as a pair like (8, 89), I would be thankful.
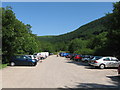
(32, 57)
(103, 62)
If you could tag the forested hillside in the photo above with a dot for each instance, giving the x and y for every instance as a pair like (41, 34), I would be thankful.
(85, 32)
(85, 40)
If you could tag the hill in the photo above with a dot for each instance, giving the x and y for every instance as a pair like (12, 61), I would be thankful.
(85, 32)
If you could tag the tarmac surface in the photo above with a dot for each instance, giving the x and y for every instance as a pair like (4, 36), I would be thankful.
(59, 72)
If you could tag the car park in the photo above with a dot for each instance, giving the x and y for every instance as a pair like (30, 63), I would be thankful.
(103, 62)
(22, 60)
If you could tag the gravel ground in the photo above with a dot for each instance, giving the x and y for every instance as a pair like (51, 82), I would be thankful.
(59, 72)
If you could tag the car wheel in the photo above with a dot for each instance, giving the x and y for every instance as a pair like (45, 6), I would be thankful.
(86, 61)
(102, 66)
(12, 64)
(33, 64)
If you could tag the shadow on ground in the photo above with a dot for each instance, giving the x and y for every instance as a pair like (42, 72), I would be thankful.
(95, 85)
(78, 63)
(92, 86)
(115, 79)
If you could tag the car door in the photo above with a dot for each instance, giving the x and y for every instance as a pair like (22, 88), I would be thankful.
(115, 62)
(23, 60)
(107, 62)
(17, 60)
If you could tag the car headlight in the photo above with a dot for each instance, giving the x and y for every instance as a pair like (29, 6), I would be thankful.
(33, 60)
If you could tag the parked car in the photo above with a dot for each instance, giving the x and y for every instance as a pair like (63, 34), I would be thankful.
(87, 58)
(68, 56)
(78, 57)
(65, 54)
(119, 69)
(51, 54)
(72, 56)
(37, 55)
(32, 57)
(22, 60)
(103, 62)
(94, 58)
(61, 54)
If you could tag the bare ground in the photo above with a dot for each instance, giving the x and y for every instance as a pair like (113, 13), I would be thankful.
(59, 72)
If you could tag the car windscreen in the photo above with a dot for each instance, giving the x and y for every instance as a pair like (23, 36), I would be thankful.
(35, 54)
(86, 56)
(30, 56)
(27, 57)
(97, 57)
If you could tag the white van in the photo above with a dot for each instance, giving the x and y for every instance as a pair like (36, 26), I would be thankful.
(37, 55)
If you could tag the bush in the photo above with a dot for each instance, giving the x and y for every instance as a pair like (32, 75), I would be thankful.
(85, 51)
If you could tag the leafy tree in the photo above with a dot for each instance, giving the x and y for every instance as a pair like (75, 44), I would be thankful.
(112, 23)
(76, 44)
(98, 41)
(17, 38)
(85, 51)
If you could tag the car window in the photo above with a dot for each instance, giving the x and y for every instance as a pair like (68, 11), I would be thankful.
(17, 57)
(97, 57)
(27, 57)
(30, 56)
(106, 59)
(114, 59)
(23, 57)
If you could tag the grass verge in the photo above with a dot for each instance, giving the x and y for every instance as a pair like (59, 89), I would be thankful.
(3, 66)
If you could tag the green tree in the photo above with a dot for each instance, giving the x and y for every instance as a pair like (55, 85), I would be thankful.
(17, 38)
(76, 44)
(113, 25)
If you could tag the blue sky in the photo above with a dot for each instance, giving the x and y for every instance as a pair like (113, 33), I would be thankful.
(55, 18)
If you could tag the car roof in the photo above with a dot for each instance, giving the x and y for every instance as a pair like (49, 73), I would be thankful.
(109, 57)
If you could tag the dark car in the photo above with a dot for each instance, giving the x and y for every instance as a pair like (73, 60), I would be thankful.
(87, 58)
(22, 60)
(61, 54)
(72, 56)
(68, 56)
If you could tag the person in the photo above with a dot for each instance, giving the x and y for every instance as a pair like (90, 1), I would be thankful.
(57, 55)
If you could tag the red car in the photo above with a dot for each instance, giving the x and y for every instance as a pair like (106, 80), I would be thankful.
(119, 69)
(78, 57)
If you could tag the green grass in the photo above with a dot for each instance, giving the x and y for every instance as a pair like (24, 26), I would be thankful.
(3, 66)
